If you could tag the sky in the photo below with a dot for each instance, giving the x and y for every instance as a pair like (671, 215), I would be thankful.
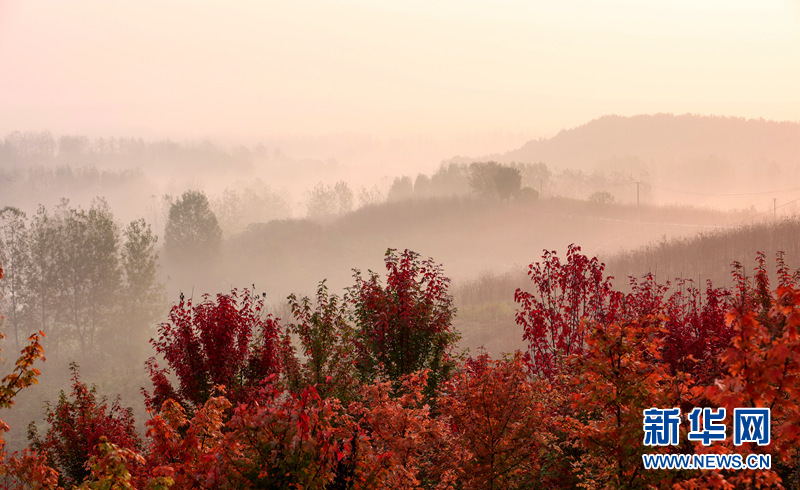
(465, 70)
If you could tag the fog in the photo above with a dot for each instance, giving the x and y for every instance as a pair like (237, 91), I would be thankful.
(662, 136)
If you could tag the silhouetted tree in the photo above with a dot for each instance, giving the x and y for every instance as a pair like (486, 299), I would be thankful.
(507, 182)
(422, 186)
(401, 189)
(601, 198)
(192, 233)
(490, 179)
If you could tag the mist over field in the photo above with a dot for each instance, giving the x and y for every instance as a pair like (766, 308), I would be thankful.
(154, 154)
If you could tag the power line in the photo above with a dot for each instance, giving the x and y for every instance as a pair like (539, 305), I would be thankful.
(775, 208)
(740, 194)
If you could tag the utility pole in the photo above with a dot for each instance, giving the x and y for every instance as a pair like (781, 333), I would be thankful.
(637, 193)
(775, 209)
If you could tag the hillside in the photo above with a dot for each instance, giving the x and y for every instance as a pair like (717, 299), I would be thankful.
(689, 159)
(708, 255)
(468, 236)
(664, 138)
(486, 303)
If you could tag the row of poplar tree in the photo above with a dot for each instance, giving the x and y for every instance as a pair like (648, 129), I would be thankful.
(79, 277)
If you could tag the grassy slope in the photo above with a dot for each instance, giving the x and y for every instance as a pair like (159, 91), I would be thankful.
(487, 313)
(470, 237)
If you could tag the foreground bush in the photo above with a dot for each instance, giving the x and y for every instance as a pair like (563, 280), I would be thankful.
(567, 413)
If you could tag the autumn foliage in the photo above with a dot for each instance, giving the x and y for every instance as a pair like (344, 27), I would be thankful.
(406, 324)
(77, 425)
(230, 342)
(366, 390)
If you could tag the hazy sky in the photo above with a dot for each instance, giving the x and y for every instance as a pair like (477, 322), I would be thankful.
(251, 69)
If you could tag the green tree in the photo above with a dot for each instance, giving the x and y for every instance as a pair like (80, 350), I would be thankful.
(192, 234)
(326, 340)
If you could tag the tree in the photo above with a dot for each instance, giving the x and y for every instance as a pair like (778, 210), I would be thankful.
(227, 342)
(601, 198)
(142, 297)
(503, 421)
(762, 369)
(536, 175)
(89, 262)
(565, 295)
(45, 279)
(283, 440)
(617, 375)
(31, 470)
(492, 180)
(344, 197)
(416, 446)
(422, 186)
(192, 234)
(326, 340)
(696, 332)
(401, 189)
(14, 255)
(406, 325)
(370, 196)
(481, 178)
(139, 263)
(450, 179)
(256, 203)
(325, 201)
(507, 182)
(76, 425)
(23, 374)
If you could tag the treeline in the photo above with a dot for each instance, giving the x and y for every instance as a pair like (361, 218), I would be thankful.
(76, 275)
(135, 194)
(39, 167)
(523, 181)
(23, 149)
(366, 390)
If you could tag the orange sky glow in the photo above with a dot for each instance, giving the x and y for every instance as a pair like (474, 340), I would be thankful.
(246, 70)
